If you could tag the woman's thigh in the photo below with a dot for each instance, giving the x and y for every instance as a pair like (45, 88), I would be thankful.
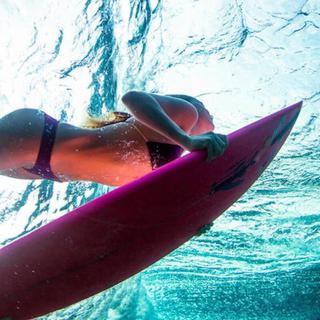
(20, 136)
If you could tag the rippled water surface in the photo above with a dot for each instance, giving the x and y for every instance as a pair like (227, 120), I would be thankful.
(244, 59)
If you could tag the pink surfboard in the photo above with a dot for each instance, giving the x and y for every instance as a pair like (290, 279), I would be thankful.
(113, 237)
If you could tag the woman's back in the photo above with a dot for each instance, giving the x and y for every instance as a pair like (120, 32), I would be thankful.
(35, 146)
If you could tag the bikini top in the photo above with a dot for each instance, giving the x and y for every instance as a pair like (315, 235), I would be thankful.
(161, 153)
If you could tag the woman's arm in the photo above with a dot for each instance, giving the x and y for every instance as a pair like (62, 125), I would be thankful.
(152, 110)
(157, 112)
(181, 96)
(185, 97)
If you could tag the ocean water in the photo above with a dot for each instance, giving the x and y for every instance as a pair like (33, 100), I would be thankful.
(244, 59)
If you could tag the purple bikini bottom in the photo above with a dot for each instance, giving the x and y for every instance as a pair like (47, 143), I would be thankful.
(42, 166)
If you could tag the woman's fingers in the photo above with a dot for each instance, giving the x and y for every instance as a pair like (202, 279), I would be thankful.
(223, 141)
(220, 143)
(214, 148)
(217, 145)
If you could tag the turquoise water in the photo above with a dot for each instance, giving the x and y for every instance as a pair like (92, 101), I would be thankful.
(244, 59)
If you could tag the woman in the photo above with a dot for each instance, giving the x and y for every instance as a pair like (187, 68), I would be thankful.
(114, 151)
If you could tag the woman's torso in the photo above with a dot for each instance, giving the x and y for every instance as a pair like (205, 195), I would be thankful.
(112, 155)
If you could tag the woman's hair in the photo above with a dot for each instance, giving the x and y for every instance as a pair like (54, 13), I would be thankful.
(105, 120)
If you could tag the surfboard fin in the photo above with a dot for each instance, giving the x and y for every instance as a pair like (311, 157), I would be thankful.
(204, 229)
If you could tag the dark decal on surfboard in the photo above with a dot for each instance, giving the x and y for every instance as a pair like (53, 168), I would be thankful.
(241, 167)
(279, 135)
(234, 180)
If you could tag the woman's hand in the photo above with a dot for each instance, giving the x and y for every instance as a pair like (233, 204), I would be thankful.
(215, 144)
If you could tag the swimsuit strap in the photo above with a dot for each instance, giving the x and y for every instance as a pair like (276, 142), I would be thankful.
(143, 136)
(42, 164)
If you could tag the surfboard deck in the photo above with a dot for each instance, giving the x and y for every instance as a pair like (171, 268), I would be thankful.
(113, 237)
